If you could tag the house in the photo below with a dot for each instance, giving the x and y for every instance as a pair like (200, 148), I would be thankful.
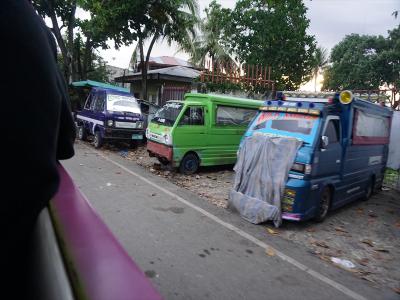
(167, 78)
(113, 72)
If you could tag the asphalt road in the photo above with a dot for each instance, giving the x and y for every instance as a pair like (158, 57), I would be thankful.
(193, 250)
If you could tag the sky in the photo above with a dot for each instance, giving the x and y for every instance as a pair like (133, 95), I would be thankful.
(330, 22)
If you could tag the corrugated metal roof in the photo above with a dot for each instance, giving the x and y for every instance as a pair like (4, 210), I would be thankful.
(178, 71)
(168, 60)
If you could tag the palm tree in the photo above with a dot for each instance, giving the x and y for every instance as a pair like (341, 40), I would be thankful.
(320, 62)
(209, 42)
(175, 22)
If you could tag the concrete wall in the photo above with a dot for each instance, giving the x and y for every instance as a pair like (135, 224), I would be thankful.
(394, 146)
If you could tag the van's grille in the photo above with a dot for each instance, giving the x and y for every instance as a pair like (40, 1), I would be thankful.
(125, 124)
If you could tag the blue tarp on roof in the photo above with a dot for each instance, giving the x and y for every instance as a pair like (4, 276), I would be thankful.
(91, 83)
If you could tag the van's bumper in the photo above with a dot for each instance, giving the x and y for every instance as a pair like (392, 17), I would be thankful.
(298, 201)
(123, 134)
(159, 150)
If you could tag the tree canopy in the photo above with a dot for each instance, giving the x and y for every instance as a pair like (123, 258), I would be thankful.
(354, 63)
(128, 21)
(363, 62)
(209, 42)
(273, 33)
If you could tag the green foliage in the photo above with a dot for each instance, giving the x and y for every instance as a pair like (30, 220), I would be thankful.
(210, 40)
(388, 60)
(272, 33)
(125, 21)
(354, 63)
(365, 62)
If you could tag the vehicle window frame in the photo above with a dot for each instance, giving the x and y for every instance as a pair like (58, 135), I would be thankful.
(184, 112)
(218, 124)
(102, 97)
(338, 130)
(88, 102)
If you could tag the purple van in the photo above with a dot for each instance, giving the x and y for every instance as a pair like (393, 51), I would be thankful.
(110, 115)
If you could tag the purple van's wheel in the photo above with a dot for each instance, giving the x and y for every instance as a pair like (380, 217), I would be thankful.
(82, 133)
(98, 140)
(324, 204)
(189, 164)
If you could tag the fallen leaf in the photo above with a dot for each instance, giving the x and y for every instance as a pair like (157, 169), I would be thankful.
(153, 194)
(382, 250)
(397, 290)
(397, 224)
(363, 261)
(270, 251)
(311, 230)
(324, 257)
(271, 231)
(372, 215)
(340, 229)
(117, 172)
(360, 210)
(368, 242)
(321, 244)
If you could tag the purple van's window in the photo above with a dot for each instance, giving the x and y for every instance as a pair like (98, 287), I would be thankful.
(122, 103)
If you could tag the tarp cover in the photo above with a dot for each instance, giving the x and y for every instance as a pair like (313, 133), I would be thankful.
(261, 173)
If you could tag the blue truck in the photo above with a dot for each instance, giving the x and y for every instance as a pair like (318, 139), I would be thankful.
(110, 113)
(343, 153)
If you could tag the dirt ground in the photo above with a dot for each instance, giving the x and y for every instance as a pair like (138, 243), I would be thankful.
(365, 234)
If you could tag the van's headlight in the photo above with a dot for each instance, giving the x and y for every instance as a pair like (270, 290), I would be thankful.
(301, 168)
(110, 123)
(168, 139)
(139, 124)
(147, 132)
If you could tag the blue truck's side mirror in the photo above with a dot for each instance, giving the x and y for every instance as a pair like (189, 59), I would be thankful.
(324, 142)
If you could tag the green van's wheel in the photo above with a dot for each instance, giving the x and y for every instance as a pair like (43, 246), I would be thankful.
(82, 135)
(324, 204)
(189, 164)
(98, 140)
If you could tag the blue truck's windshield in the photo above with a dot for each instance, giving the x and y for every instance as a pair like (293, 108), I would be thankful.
(300, 126)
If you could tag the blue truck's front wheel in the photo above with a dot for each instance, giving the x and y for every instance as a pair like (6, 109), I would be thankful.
(324, 204)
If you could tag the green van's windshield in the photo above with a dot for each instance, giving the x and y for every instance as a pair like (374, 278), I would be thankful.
(168, 114)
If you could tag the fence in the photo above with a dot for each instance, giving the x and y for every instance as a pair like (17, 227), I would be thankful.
(254, 76)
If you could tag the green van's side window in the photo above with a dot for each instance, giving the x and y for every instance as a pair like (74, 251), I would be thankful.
(236, 116)
(193, 116)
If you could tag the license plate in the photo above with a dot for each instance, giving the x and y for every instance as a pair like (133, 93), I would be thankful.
(137, 137)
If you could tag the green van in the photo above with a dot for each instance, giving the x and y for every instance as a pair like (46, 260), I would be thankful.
(202, 130)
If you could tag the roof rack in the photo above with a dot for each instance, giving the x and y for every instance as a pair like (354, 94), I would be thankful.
(323, 97)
